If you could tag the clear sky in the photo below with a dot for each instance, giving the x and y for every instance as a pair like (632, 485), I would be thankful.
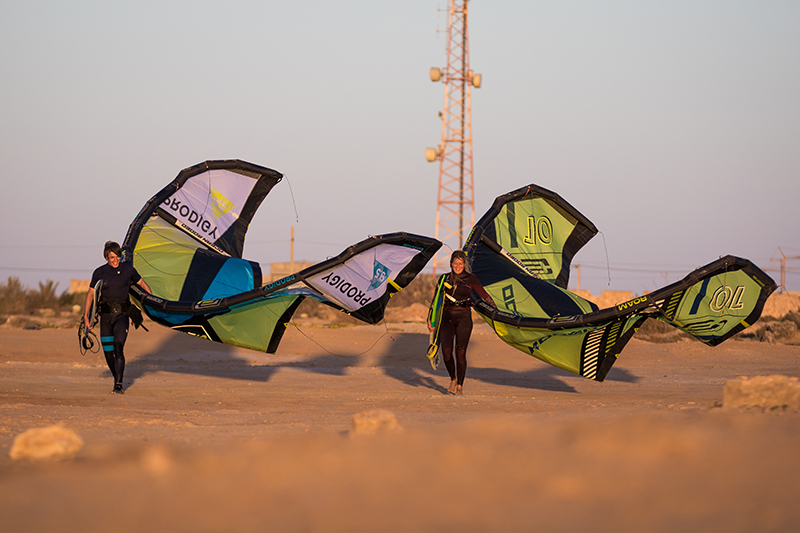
(673, 126)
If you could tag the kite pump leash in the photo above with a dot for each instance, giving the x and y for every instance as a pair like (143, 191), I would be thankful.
(87, 340)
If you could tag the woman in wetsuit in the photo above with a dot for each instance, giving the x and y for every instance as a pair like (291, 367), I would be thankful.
(457, 319)
(114, 302)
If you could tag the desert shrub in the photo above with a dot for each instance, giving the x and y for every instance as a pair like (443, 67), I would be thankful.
(655, 327)
(772, 330)
(45, 297)
(793, 316)
(420, 290)
(13, 297)
(16, 299)
(660, 332)
(315, 309)
(68, 299)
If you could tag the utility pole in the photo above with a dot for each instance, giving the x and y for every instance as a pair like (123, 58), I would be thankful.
(782, 260)
(455, 208)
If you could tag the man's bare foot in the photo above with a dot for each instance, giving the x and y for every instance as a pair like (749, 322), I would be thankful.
(458, 391)
(452, 388)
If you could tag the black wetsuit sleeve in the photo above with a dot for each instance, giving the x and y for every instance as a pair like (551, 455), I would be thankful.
(477, 287)
(95, 277)
(135, 277)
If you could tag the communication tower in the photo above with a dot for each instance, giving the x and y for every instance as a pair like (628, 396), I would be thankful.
(455, 209)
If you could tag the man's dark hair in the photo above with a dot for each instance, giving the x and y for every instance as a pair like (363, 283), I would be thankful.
(112, 247)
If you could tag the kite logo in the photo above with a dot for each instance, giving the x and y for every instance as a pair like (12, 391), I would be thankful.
(346, 288)
(539, 230)
(508, 298)
(379, 276)
(219, 204)
(537, 265)
(726, 297)
(206, 304)
(705, 327)
(635, 301)
(192, 217)
(193, 329)
(280, 282)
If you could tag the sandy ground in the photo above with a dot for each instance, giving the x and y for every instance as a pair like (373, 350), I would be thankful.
(209, 438)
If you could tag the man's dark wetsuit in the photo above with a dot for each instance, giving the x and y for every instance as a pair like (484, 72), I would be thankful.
(114, 304)
(457, 321)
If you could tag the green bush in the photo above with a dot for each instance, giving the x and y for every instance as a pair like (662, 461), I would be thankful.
(68, 299)
(16, 299)
(45, 297)
(13, 297)
(420, 290)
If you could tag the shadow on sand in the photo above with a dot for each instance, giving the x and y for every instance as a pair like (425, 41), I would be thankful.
(185, 354)
(403, 360)
(416, 371)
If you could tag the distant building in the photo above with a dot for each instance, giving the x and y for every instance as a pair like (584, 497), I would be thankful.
(606, 299)
(78, 285)
(281, 270)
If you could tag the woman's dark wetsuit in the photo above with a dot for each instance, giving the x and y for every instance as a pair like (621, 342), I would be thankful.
(457, 322)
(114, 304)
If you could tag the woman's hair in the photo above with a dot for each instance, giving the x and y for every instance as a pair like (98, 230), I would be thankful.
(111, 247)
(458, 254)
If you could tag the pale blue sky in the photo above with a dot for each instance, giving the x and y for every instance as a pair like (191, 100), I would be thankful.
(673, 126)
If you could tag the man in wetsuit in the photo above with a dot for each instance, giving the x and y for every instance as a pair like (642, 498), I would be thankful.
(114, 302)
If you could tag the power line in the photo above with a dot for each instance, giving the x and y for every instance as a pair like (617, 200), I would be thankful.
(39, 269)
(45, 246)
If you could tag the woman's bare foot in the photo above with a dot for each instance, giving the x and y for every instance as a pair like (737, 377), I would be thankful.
(458, 391)
(452, 388)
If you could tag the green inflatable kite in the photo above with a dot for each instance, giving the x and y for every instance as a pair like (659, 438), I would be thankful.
(521, 252)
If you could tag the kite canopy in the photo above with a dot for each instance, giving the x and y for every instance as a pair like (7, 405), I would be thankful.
(521, 251)
(187, 244)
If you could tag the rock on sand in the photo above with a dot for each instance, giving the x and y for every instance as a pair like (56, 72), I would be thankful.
(373, 422)
(53, 442)
(766, 392)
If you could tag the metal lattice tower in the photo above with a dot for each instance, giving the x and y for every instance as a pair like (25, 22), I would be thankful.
(455, 210)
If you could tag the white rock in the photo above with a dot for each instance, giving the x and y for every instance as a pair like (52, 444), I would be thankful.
(53, 442)
(373, 422)
(767, 392)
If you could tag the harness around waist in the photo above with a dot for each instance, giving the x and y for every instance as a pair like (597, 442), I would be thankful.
(106, 307)
(457, 303)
